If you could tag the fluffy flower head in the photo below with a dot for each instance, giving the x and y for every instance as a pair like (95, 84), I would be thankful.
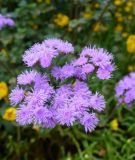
(125, 89)
(60, 95)
(4, 21)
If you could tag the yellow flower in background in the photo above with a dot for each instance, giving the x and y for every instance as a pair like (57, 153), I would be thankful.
(69, 29)
(131, 44)
(4, 52)
(119, 17)
(3, 90)
(47, 1)
(130, 17)
(114, 125)
(129, 4)
(119, 28)
(87, 15)
(118, 14)
(124, 34)
(61, 20)
(118, 2)
(130, 68)
(97, 5)
(39, 1)
(10, 114)
(127, 9)
(35, 26)
(97, 27)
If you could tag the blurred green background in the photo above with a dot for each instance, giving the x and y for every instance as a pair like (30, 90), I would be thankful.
(105, 23)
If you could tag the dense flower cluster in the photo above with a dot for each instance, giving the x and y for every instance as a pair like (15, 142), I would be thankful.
(91, 59)
(5, 21)
(125, 89)
(46, 51)
(46, 105)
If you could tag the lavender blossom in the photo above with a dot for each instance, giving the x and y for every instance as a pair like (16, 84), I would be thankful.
(61, 46)
(39, 53)
(24, 115)
(64, 72)
(125, 89)
(97, 102)
(41, 115)
(41, 81)
(91, 59)
(26, 77)
(89, 120)
(71, 101)
(101, 61)
(87, 68)
(66, 116)
(4, 21)
(37, 98)
(16, 95)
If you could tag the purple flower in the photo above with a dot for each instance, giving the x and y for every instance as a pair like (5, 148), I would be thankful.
(16, 95)
(101, 59)
(62, 96)
(129, 95)
(46, 55)
(79, 74)
(67, 71)
(31, 56)
(39, 53)
(59, 45)
(87, 51)
(37, 98)
(42, 115)
(71, 101)
(66, 116)
(56, 72)
(26, 77)
(97, 102)
(103, 74)
(80, 61)
(89, 121)
(125, 89)
(64, 72)
(88, 68)
(41, 81)
(9, 22)
(81, 88)
(5, 21)
(24, 115)
(98, 56)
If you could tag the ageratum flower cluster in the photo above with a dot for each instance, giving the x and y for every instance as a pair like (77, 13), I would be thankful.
(4, 21)
(42, 103)
(125, 89)
(91, 60)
